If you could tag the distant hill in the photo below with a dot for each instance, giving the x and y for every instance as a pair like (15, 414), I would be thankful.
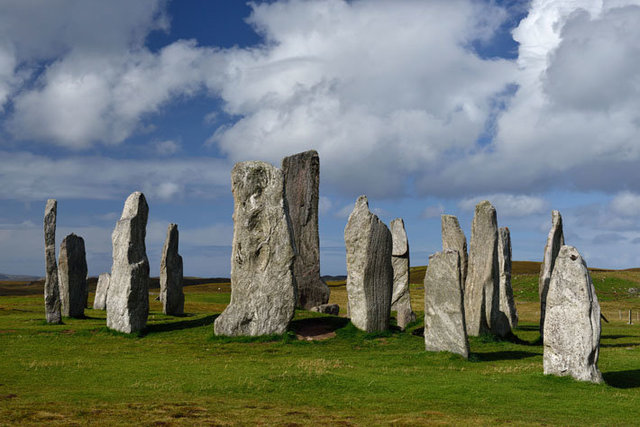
(18, 277)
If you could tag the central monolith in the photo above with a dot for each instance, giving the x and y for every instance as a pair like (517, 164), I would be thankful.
(369, 271)
(453, 238)
(72, 276)
(263, 286)
(301, 182)
(128, 296)
(102, 288)
(52, 305)
(401, 298)
(171, 293)
(507, 303)
(572, 322)
(555, 240)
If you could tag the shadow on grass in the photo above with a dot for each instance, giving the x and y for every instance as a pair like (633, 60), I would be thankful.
(615, 337)
(623, 379)
(325, 324)
(176, 326)
(621, 345)
(501, 355)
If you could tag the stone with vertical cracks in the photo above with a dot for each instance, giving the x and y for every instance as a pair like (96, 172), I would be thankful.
(72, 276)
(453, 238)
(102, 288)
(444, 319)
(52, 305)
(369, 271)
(572, 322)
(481, 300)
(128, 296)
(301, 181)
(555, 240)
(263, 286)
(401, 298)
(509, 314)
(171, 293)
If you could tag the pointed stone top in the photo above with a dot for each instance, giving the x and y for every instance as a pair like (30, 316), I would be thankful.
(452, 218)
(556, 218)
(51, 204)
(484, 205)
(134, 205)
(399, 236)
(362, 200)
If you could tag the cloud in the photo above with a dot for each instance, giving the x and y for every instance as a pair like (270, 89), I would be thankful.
(432, 211)
(626, 204)
(509, 205)
(608, 238)
(166, 147)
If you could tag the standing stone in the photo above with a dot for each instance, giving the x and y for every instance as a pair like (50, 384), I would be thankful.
(555, 240)
(72, 276)
(444, 321)
(301, 182)
(572, 323)
(171, 293)
(508, 314)
(263, 286)
(481, 301)
(52, 306)
(401, 298)
(453, 238)
(369, 272)
(128, 296)
(102, 288)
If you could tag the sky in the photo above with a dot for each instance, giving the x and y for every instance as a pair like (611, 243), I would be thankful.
(426, 107)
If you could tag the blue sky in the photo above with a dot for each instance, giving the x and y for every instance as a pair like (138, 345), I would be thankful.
(425, 107)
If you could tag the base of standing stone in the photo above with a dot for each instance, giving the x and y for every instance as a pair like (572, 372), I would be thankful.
(333, 309)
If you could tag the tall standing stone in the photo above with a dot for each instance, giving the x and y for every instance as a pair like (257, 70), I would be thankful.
(52, 304)
(401, 298)
(301, 182)
(369, 272)
(481, 300)
(555, 240)
(572, 323)
(444, 321)
(72, 276)
(453, 238)
(171, 293)
(263, 286)
(128, 296)
(509, 315)
(102, 288)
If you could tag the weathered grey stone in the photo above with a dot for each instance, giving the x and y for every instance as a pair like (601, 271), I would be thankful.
(555, 240)
(52, 305)
(263, 286)
(128, 296)
(444, 321)
(333, 309)
(301, 181)
(72, 276)
(102, 288)
(508, 318)
(572, 322)
(171, 293)
(453, 238)
(481, 300)
(401, 298)
(369, 272)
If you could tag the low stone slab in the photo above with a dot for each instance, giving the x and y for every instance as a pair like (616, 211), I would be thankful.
(572, 323)
(444, 320)
(263, 286)
(369, 271)
(333, 309)
(72, 276)
(102, 288)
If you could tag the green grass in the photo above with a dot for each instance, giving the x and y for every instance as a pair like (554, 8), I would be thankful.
(178, 372)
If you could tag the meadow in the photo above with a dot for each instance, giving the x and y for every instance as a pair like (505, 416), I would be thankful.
(177, 372)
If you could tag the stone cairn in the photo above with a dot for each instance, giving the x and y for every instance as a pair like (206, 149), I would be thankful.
(72, 276)
(444, 321)
(100, 299)
(481, 288)
(401, 298)
(171, 293)
(572, 321)
(301, 180)
(555, 240)
(369, 272)
(263, 286)
(52, 305)
(128, 296)
(507, 303)
(453, 238)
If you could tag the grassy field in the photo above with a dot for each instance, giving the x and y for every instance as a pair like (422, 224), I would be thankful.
(178, 372)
